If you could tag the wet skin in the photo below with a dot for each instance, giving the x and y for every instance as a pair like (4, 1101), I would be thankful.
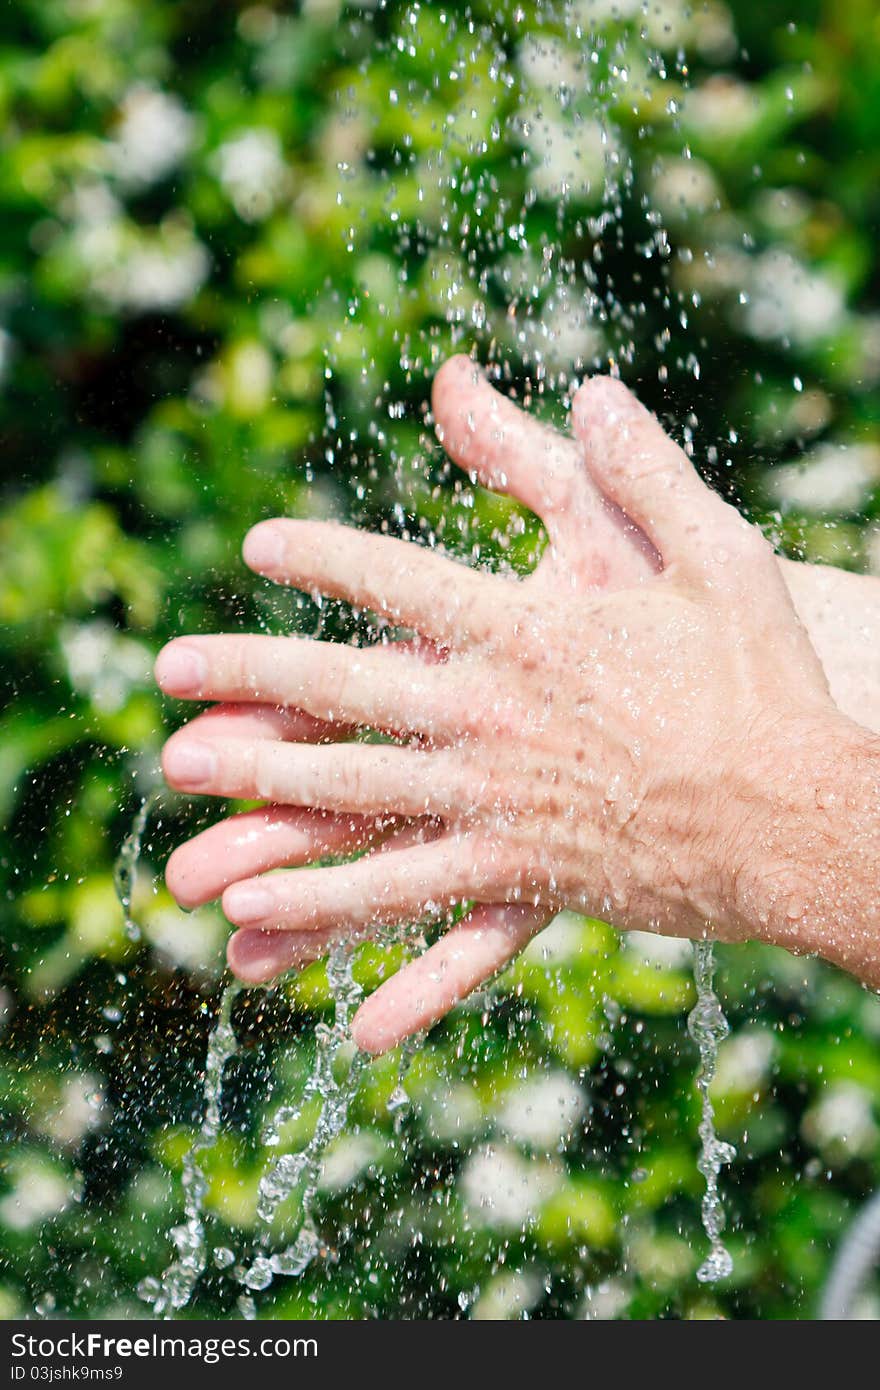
(632, 731)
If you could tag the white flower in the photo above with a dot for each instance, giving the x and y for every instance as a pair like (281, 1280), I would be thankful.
(542, 1111)
(722, 107)
(744, 1061)
(602, 11)
(450, 1112)
(90, 203)
(347, 1158)
(80, 1108)
(789, 301)
(510, 1294)
(504, 1189)
(192, 944)
(605, 1301)
(842, 1120)
(684, 186)
(154, 134)
(136, 268)
(833, 478)
(160, 273)
(576, 157)
(252, 172)
(548, 63)
(566, 332)
(39, 1191)
(663, 952)
(783, 208)
(713, 32)
(103, 664)
(667, 24)
(868, 328)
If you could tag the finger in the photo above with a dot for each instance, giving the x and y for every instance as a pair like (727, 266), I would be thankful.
(368, 686)
(640, 468)
(407, 583)
(508, 450)
(371, 779)
(240, 720)
(273, 836)
(401, 885)
(423, 991)
(269, 838)
(256, 956)
(504, 448)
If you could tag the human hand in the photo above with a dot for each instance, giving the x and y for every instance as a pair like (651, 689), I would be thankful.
(487, 435)
(505, 833)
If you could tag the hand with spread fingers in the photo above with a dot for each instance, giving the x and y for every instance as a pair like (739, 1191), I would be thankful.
(639, 730)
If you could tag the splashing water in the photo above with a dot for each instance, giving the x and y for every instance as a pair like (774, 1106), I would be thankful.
(708, 1027)
(297, 1171)
(303, 1167)
(125, 868)
(174, 1290)
(176, 1286)
(292, 1172)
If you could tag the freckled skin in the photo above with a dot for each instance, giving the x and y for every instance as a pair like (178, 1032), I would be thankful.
(617, 733)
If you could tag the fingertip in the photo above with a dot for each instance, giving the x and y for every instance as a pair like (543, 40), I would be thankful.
(257, 956)
(248, 902)
(601, 400)
(179, 880)
(263, 546)
(180, 668)
(456, 369)
(457, 375)
(371, 1034)
(188, 764)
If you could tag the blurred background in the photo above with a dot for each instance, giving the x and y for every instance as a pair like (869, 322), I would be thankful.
(236, 239)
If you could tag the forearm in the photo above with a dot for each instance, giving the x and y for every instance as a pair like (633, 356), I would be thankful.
(811, 877)
(841, 612)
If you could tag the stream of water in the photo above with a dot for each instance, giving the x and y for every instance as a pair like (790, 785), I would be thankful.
(708, 1027)
(334, 1078)
(175, 1288)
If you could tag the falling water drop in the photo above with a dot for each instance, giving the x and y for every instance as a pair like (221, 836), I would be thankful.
(708, 1026)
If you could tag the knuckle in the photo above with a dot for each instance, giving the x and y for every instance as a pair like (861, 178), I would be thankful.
(341, 684)
(242, 666)
(355, 780)
(262, 769)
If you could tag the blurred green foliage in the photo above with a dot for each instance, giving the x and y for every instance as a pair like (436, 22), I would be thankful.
(236, 240)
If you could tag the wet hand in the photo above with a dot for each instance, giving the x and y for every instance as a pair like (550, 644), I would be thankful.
(575, 748)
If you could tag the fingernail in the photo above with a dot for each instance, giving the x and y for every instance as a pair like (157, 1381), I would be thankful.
(181, 669)
(263, 547)
(244, 903)
(190, 764)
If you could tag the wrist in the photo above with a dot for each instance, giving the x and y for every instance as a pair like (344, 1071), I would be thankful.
(841, 613)
(808, 875)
